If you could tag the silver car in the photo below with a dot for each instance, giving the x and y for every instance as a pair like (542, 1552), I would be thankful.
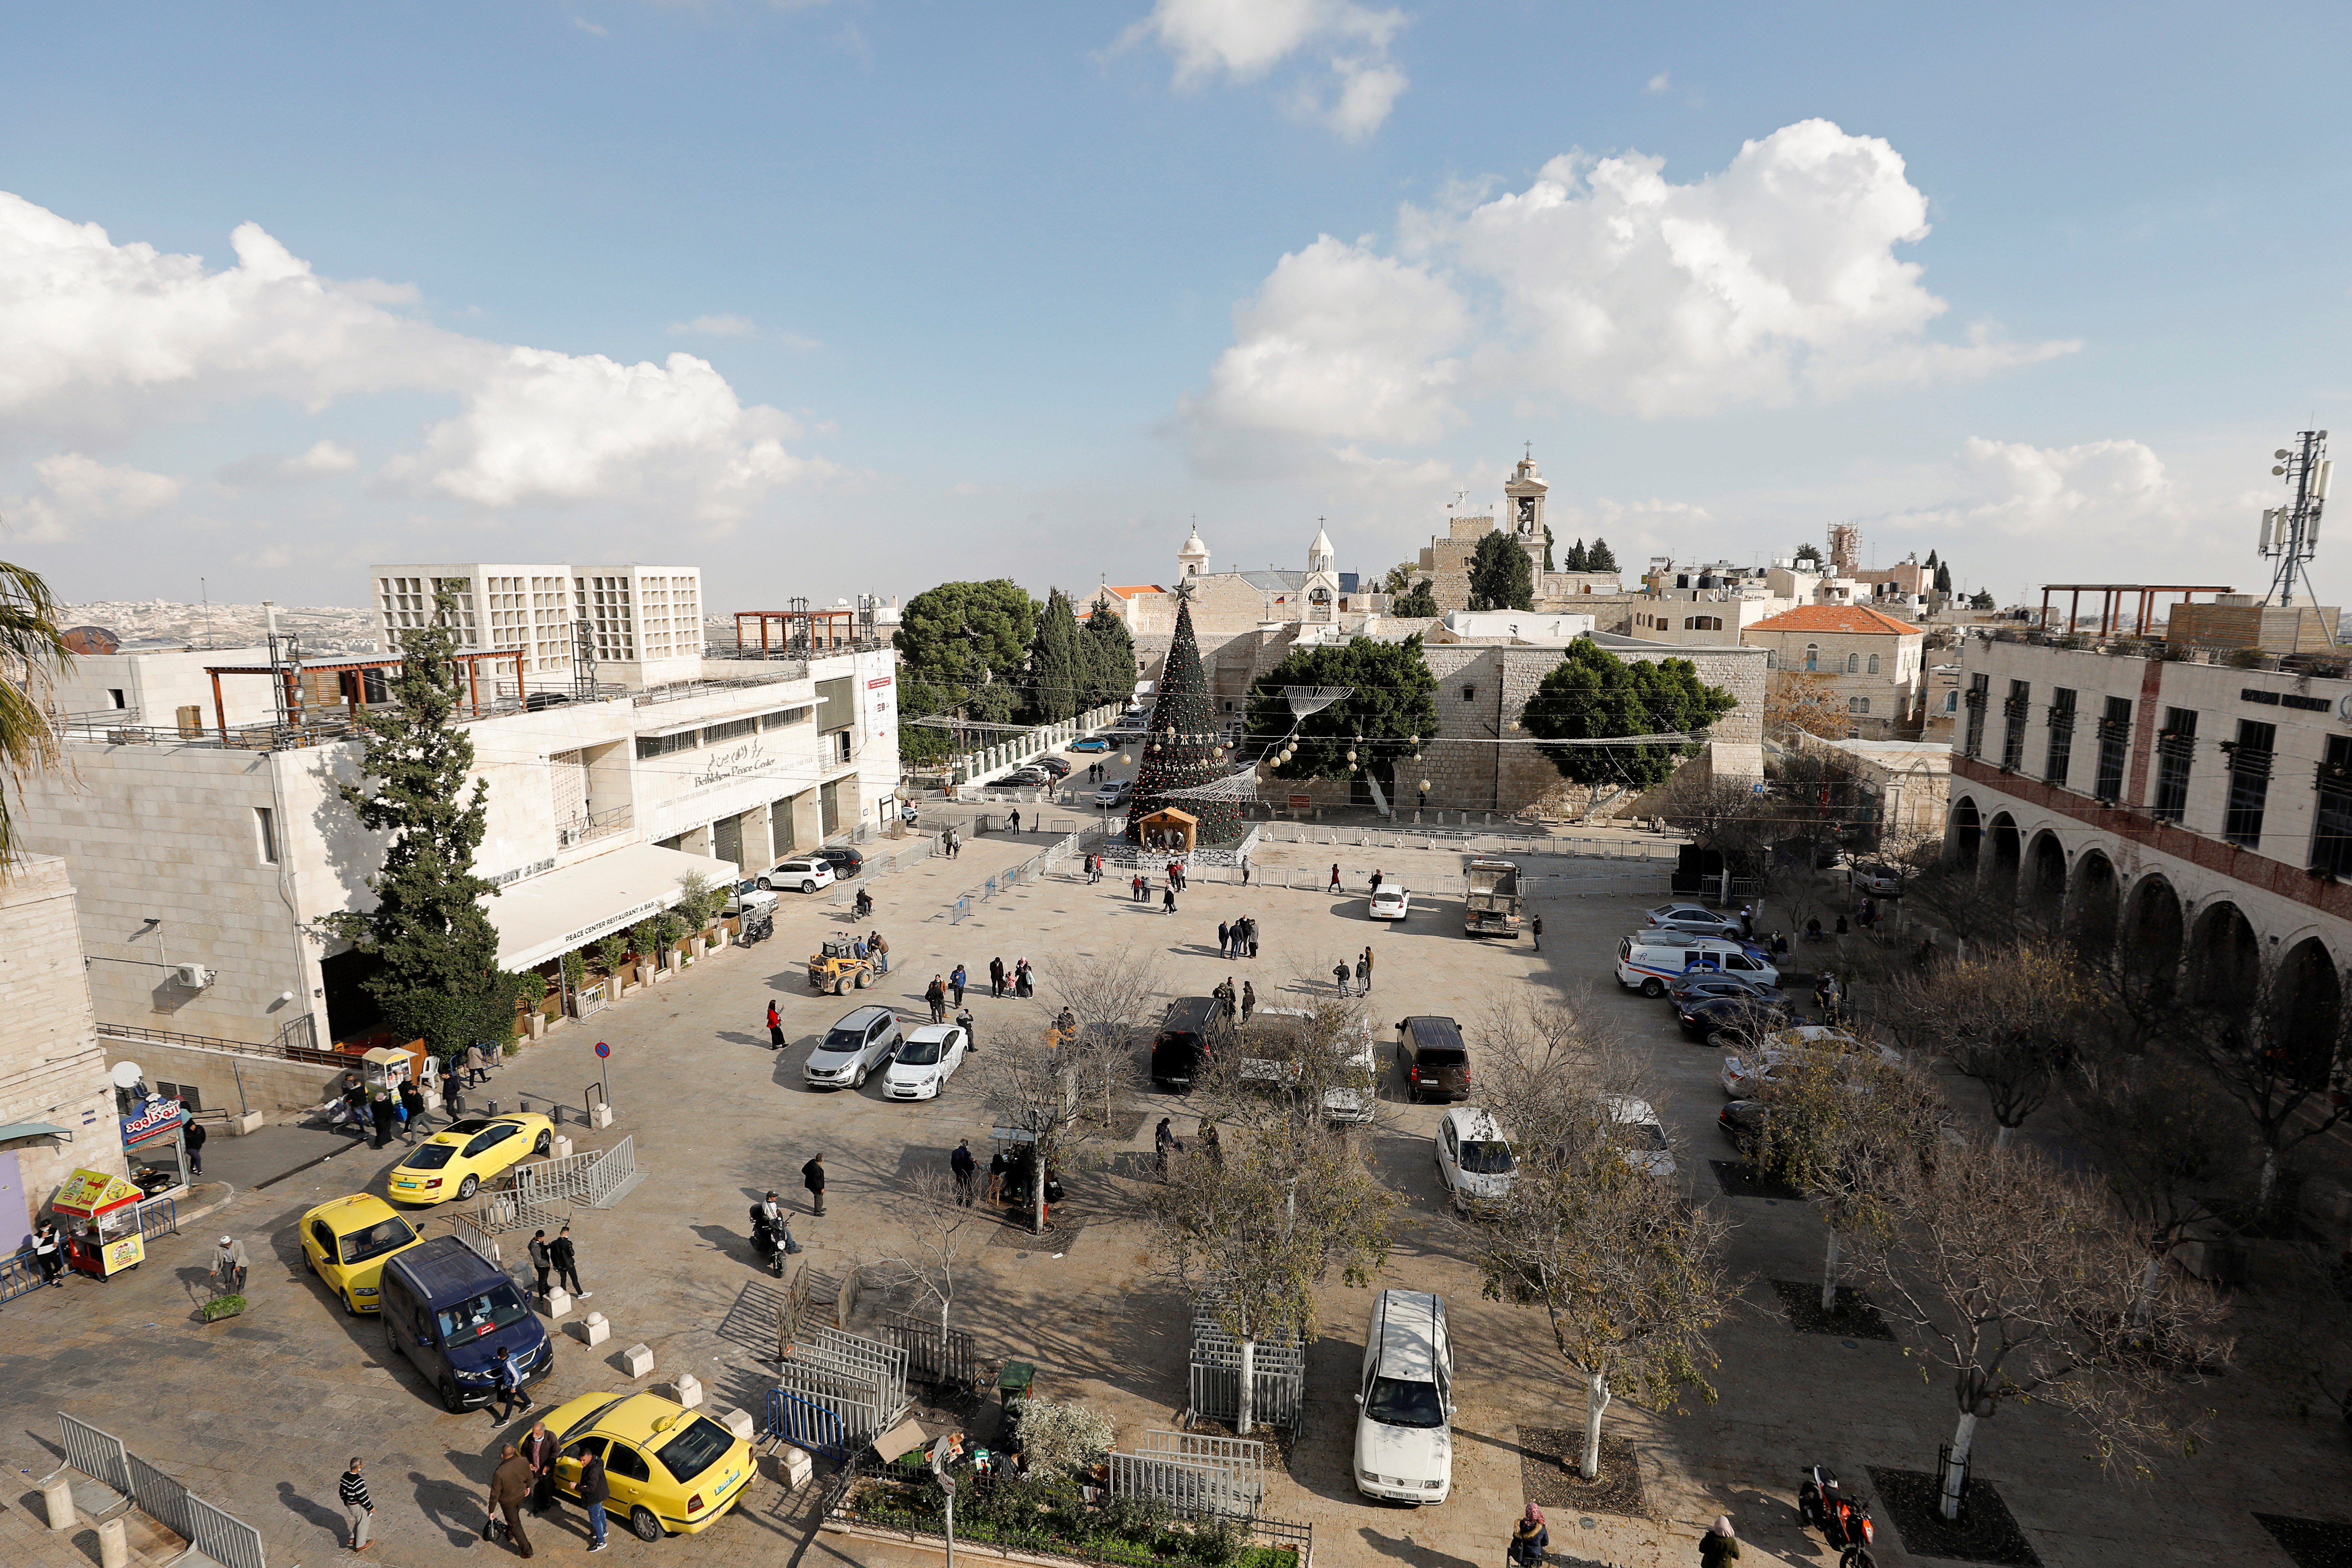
(864, 1039)
(1115, 792)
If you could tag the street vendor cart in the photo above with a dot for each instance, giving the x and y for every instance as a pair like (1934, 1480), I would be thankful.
(102, 1237)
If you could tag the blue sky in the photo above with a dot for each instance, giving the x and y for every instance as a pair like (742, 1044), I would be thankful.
(841, 297)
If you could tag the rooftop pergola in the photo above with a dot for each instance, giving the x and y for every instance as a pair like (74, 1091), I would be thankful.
(826, 629)
(355, 691)
(2112, 597)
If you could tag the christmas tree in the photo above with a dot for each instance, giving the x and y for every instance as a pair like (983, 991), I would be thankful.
(1184, 747)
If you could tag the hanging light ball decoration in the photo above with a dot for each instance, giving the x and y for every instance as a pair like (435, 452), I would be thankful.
(1424, 786)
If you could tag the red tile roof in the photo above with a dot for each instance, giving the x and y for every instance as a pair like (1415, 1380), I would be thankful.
(1835, 618)
(1130, 590)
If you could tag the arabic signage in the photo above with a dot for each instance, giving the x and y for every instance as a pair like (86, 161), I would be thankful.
(160, 1118)
(123, 1252)
(750, 757)
(93, 1191)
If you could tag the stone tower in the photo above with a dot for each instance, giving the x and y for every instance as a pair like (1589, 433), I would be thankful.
(1523, 505)
(1192, 561)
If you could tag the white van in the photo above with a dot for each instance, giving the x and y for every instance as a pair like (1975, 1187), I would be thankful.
(1405, 1423)
(1648, 959)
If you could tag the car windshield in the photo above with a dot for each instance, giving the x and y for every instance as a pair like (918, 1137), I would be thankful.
(1643, 1134)
(1485, 1159)
(918, 1054)
(386, 1235)
(696, 1449)
(843, 1040)
(581, 1427)
(1395, 1402)
(493, 1308)
(431, 1157)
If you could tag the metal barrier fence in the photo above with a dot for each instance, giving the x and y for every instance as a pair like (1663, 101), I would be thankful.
(211, 1530)
(1194, 1475)
(809, 1425)
(1473, 839)
(869, 1361)
(541, 1194)
(159, 1217)
(1213, 1378)
(20, 1274)
(941, 1358)
(471, 1230)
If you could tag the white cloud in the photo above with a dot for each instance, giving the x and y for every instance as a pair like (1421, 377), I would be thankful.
(1246, 39)
(585, 25)
(1659, 83)
(323, 458)
(2115, 489)
(78, 491)
(1605, 283)
(716, 327)
(104, 337)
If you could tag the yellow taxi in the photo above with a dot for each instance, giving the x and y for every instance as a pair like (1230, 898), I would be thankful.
(670, 1470)
(455, 1161)
(346, 1242)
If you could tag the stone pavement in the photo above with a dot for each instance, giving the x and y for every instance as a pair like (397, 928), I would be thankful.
(259, 1414)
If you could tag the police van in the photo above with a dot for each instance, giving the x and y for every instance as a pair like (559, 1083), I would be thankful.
(1648, 959)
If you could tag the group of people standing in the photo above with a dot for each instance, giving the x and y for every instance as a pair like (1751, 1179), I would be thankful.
(1020, 980)
(1237, 939)
(1236, 1005)
(1363, 972)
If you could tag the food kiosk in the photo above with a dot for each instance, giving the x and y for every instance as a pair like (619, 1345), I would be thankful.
(102, 1237)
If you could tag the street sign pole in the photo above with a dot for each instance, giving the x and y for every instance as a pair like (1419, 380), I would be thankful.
(604, 1066)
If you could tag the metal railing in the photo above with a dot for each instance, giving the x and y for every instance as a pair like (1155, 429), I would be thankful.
(593, 825)
(1196, 1475)
(20, 1274)
(159, 1217)
(285, 1048)
(942, 1358)
(217, 1534)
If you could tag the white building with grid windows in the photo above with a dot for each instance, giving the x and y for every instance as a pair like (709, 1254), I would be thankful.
(644, 622)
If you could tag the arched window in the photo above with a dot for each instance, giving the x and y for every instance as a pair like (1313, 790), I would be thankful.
(1812, 655)
(1874, 664)
(1952, 701)
(1854, 664)
(1857, 704)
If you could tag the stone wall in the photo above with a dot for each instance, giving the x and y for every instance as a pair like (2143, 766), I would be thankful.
(52, 1069)
(280, 1090)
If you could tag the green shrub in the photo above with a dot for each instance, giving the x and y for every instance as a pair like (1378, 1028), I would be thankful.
(223, 1307)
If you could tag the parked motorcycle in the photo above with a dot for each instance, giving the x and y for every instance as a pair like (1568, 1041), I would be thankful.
(758, 928)
(1844, 1523)
(770, 1251)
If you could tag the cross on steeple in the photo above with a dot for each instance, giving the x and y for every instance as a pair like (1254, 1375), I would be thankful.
(1531, 450)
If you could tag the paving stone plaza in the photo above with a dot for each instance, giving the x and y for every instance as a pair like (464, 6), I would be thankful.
(260, 1412)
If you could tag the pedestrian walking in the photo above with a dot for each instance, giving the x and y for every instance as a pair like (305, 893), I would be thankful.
(1168, 899)
(506, 1378)
(1251, 921)
(1225, 940)
(193, 1135)
(1530, 1538)
(1364, 974)
(955, 984)
(971, 1036)
(966, 1168)
(412, 1102)
(1163, 1143)
(996, 977)
(481, 1065)
(594, 1492)
(1016, 819)
(1746, 922)
(1718, 1545)
(49, 1252)
(1140, 887)
(1377, 874)
(510, 1489)
(567, 1263)
(997, 1165)
(1535, 926)
(540, 1259)
(1335, 876)
(380, 1111)
(935, 997)
(1249, 1000)
(228, 1266)
(813, 1178)
(1178, 873)
(539, 1451)
(775, 1028)
(352, 1489)
(881, 951)
(1339, 975)
(453, 1095)
(1243, 863)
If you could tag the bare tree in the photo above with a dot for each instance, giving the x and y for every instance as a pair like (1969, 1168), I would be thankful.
(2282, 1052)
(1031, 1087)
(1627, 1270)
(1252, 1230)
(2020, 1281)
(1101, 1007)
(933, 1229)
(1845, 1128)
(2012, 1019)
(1295, 1065)
(2158, 1139)
(1950, 892)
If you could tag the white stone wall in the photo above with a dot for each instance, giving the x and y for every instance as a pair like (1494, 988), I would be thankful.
(52, 1069)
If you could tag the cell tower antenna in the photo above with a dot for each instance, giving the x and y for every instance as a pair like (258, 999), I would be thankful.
(2290, 534)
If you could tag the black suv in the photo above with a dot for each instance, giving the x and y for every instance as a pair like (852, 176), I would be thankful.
(1185, 1040)
(1432, 1058)
(846, 862)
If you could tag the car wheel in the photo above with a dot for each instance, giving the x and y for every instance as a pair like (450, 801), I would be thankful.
(309, 1262)
(451, 1398)
(642, 1521)
(763, 884)
(350, 1308)
(1718, 1040)
(1653, 988)
(391, 1339)
(859, 1080)
(808, 887)
(468, 1188)
(546, 1141)
(864, 981)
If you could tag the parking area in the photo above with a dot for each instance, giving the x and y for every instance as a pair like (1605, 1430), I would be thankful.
(259, 1412)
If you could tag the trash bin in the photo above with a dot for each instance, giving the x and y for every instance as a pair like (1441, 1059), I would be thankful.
(1013, 1384)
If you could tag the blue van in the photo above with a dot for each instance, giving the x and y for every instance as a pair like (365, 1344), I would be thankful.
(451, 1314)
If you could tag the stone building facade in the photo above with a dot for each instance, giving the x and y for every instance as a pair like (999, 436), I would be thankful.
(56, 1104)
(1870, 663)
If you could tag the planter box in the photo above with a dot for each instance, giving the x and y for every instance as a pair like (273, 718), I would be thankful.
(222, 1308)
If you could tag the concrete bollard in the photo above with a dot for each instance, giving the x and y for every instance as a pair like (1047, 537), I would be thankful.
(592, 1329)
(113, 1545)
(56, 1502)
(687, 1390)
(559, 1301)
(789, 1468)
(561, 1149)
(601, 1115)
(739, 1422)
(249, 1122)
(638, 1360)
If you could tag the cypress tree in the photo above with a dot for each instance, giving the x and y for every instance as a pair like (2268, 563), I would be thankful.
(1576, 560)
(1181, 750)
(437, 977)
(1111, 657)
(1057, 662)
(1599, 558)
(1501, 577)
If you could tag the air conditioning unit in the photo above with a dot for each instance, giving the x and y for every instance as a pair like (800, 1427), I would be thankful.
(194, 976)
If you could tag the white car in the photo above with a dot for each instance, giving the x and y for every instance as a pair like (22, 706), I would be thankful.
(1392, 902)
(1475, 1162)
(1697, 919)
(864, 1039)
(1645, 1139)
(1404, 1418)
(749, 895)
(1745, 1076)
(925, 1063)
(805, 872)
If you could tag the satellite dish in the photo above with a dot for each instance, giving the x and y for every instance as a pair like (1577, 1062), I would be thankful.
(128, 1075)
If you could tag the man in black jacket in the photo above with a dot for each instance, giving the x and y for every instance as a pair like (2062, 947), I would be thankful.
(380, 1110)
(194, 1134)
(594, 1492)
(813, 1178)
(540, 1259)
(567, 1262)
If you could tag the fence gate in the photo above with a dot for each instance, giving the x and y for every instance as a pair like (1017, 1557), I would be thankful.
(871, 1361)
(936, 1357)
(1238, 1465)
(98, 1455)
(1278, 1375)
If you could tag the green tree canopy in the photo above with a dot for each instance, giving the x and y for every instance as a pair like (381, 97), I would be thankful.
(1812, 553)
(1944, 579)
(1931, 560)
(1110, 656)
(1400, 578)
(1501, 575)
(438, 975)
(962, 649)
(1983, 600)
(1418, 602)
(34, 651)
(1599, 558)
(1593, 694)
(1390, 712)
(1576, 560)
(1057, 662)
